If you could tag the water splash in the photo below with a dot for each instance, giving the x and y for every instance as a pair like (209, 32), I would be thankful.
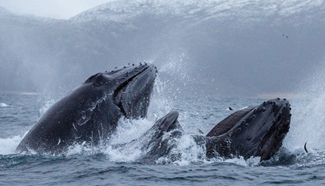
(174, 76)
(3, 105)
(186, 151)
(308, 118)
(46, 106)
(129, 130)
(8, 145)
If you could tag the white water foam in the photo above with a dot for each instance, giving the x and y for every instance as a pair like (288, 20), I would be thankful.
(4, 105)
(187, 151)
(127, 131)
(8, 145)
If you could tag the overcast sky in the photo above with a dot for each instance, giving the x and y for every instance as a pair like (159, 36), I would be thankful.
(59, 9)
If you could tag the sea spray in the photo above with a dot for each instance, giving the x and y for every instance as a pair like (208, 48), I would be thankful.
(8, 145)
(48, 103)
(308, 118)
(186, 151)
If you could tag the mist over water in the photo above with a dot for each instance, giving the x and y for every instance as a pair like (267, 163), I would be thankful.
(308, 117)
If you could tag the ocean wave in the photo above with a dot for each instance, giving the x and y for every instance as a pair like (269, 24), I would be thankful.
(4, 105)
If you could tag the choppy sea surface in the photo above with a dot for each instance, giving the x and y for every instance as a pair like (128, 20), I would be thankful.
(104, 166)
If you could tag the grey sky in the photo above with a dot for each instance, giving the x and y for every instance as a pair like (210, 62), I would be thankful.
(60, 9)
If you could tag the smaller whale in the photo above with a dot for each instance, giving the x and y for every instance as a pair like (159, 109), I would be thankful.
(251, 132)
(158, 140)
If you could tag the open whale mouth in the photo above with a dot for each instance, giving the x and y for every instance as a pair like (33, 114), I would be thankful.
(252, 132)
(134, 88)
(262, 130)
(276, 129)
(130, 87)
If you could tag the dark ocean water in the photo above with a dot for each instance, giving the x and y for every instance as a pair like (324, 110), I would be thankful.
(291, 166)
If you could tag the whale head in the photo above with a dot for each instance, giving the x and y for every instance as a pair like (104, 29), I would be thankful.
(252, 132)
(159, 139)
(130, 88)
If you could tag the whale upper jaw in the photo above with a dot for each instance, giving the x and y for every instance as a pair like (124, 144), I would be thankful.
(130, 87)
(255, 131)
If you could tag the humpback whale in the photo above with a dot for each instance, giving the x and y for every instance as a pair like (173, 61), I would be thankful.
(251, 132)
(89, 114)
(256, 131)
(158, 140)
